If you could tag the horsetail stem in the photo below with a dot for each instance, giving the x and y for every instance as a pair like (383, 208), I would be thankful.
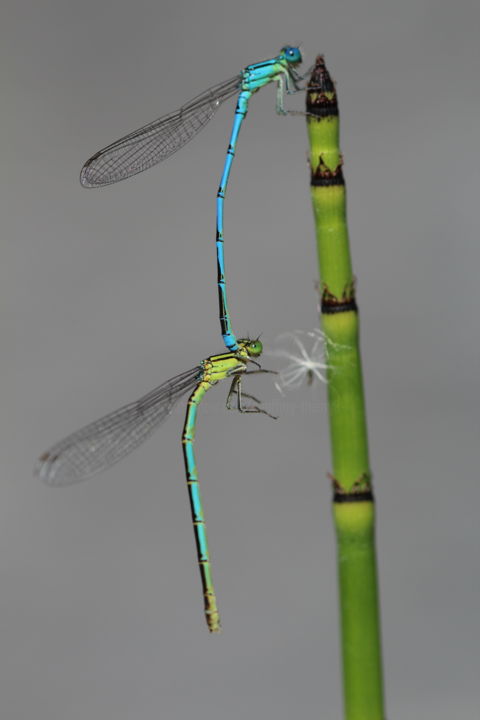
(353, 502)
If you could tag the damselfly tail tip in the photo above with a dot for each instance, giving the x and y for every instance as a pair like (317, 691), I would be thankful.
(213, 622)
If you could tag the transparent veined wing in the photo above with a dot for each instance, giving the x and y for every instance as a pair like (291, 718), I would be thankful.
(104, 442)
(147, 146)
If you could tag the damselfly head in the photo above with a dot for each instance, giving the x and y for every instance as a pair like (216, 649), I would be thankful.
(293, 55)
(254, 348)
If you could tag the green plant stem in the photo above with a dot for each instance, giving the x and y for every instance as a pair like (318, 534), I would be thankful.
(353, 502)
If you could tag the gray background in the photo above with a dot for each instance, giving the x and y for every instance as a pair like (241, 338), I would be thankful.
(107, 293)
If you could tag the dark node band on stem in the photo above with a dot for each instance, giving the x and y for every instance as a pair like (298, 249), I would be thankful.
(353, 497)
(329, 308)
(361, 490)
(330, 304)
(323, 176)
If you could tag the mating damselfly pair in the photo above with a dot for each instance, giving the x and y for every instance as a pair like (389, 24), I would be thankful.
(104, 442)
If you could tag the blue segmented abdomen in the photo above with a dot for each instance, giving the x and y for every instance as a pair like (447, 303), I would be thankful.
(225, 321)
